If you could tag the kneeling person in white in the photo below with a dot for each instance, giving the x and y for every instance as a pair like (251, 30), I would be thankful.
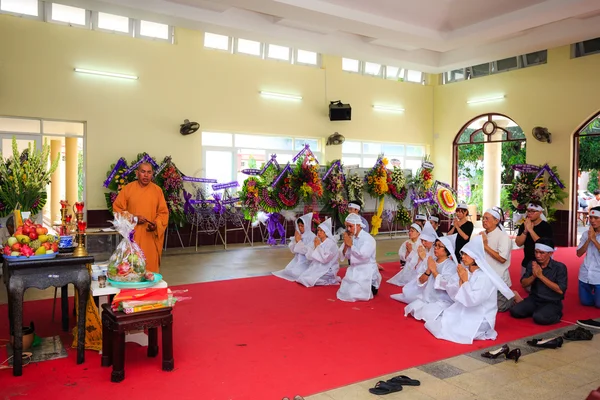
(300, 245)
(362, 278)
(323, 259)
(473, 288)
(409, 257)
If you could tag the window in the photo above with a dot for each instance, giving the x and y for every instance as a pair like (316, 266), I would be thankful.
(225, 155)
(113, 23)
(506, 64)
(537, 58)
(414, 76)
(372, 69)
(480, 70)
(23, 7)
(214, 41)
(249, 47)
(393, 73)
(364, 154)
(278, 52)
(587, 47)
(154, 30)
(454, 75)
(68, 15)
(307, 57)
(350, 65)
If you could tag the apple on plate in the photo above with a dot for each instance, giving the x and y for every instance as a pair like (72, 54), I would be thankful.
(12, 240)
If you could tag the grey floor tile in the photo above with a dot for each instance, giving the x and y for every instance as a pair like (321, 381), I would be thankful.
(441, 370)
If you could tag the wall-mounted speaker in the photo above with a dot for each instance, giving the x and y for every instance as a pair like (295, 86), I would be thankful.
(339, 111)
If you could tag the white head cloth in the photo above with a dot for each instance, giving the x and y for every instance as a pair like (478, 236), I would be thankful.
(428, 233)
(543, 247)
(496, 214)
(449, 242)
(462, 206)
(594, 213)
(420, 217)
(416, 227)
(475, 249)
(434, 219)
(326, 227)
(355, 219)
(354, 205)
(535, 207)
(307, 219)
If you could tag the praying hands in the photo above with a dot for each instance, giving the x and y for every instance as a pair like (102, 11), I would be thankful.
(422, 252)
(298, 236)
(462, 273)
(317, 242)
(347, 240)
(408, 247)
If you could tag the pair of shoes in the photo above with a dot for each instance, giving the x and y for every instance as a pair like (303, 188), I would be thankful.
(514, 354)
(383, 387)
(552, 343)
(404, 381)
(579, 334)
(496, 353)
(588, 323)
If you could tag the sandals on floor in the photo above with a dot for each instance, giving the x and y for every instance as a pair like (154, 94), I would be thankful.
(579, 334)
(383, 387)
(404, 381)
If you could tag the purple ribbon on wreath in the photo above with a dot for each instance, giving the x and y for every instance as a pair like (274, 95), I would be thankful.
(188, 208)
(145, 159)
(546, 168)
(274, 224)
(287, 168)
(335, 164)
(526, 168)
(120, 164)
(428, 199)
(218, 208)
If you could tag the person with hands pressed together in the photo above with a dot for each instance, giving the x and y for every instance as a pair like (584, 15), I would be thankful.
(408, 256)
(462, 227)
(498, 246)
(589, 272)
(548, 281)
(435, 222)
(146, 201)
(531, 230)
(300, 245)
(362, 278)
(323, 258)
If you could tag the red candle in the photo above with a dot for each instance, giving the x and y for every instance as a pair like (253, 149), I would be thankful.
(64, 204)
(81, 226)
(79, 206)
(68, 218)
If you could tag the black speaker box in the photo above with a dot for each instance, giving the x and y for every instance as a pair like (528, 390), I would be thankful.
(340, 112)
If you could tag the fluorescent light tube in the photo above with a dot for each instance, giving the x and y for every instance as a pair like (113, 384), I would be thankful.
(486, 99)
(111, 74)
(280, 95)
(388, 108)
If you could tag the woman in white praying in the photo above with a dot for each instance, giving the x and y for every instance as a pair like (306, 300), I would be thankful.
(411, 244)
(473, 289)
(414, 267)
(300, 244)
(434, 299)
(409, 256)
(324, 264)
(362, 278)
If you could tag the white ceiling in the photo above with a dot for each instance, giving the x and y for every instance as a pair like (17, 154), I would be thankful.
(427, 35)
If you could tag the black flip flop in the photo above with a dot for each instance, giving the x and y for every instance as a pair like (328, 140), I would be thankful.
(383, 387)
(404, 381)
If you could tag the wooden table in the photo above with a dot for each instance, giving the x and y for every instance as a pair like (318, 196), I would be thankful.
(18, 276)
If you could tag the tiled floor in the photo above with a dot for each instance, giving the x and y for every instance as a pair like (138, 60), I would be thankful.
(570, 372)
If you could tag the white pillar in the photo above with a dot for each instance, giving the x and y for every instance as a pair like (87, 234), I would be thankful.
(492, 169)
(71, 172)
(56, 182)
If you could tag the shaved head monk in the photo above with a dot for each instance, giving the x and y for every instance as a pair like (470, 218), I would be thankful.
(146, 201)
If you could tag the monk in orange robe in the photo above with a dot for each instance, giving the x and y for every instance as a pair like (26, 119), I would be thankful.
(146, 201)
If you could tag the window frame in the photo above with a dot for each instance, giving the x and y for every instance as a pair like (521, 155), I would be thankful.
(96, 27)
(525, 63)
(359, 71)
(290, 53)
(48, 16)
(403, 158)
(296, 62)
(236, 51)
(363, 68)
(230, 40)
(39, 17)
(137, 32)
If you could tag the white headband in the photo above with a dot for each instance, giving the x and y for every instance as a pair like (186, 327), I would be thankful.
(416, 227)
(494, 213)
(594, 213)
(543, 247)
(462, 206)
(354, 219)
(420, 217)
(434, 219)
(531, 206)
(353, 205)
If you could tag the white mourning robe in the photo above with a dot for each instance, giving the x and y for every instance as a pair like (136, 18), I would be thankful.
(323, 267)
(403, 252)
(473, 314)
(362, 272)
(409, 270)
(299, 263)
(409, 277)
(432, 301)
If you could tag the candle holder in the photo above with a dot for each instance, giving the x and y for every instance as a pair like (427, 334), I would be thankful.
(80, 250)
(65, 218)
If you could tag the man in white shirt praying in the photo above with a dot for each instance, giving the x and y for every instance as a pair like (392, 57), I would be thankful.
(362, 278)
(589, 272)
(498, 248)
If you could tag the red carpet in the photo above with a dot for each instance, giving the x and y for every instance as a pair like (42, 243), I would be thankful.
(264, 338)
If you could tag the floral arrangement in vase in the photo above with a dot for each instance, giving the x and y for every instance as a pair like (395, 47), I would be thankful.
(377, 179)
(24, 177)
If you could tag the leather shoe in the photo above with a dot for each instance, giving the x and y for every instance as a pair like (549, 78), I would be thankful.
(546, 343)
(495, 353)
(514, 354)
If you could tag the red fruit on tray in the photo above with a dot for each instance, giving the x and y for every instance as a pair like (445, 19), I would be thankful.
(149, 276)
(7, 250)
(55, 247)
(16, 247)
(47, 245)
(40, 230)
(26, 230)
(33, 235)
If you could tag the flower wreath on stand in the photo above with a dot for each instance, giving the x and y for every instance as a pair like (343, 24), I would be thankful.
(397, 186)
(266, 193)
(336, 199)
(306, 179)
(249, 197)
(377, 180)
(116, 179)
(170, 179)
(285, 194)
(421, 195)
(354, 186)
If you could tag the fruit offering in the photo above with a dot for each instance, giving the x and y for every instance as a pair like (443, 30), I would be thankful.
(30, 239)
(127, 264)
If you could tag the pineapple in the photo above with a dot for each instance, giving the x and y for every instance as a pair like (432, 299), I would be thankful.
(35, 244)
(51, 239)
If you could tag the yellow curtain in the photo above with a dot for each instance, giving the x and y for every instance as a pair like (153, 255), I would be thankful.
(376, 220)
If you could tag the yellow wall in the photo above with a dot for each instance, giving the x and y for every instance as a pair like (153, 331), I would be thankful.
(185, 80)
(560, 95)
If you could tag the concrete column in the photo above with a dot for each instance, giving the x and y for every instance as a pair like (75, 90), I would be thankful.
(492, 168)
(56, 184)
(71, 173)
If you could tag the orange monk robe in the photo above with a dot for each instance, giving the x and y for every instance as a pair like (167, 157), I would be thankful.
(148, 202)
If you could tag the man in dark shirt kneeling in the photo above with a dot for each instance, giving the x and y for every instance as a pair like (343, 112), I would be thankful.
(548, 281)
